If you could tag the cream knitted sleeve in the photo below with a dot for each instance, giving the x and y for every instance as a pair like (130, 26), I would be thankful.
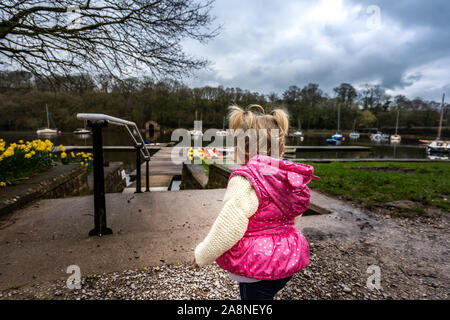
(240, 203)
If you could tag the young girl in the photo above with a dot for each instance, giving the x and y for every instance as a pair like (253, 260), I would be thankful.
(254, 237)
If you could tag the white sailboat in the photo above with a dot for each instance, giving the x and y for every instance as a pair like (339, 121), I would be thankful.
(337, 138)
(195, 133)
(299, 133)
(396, 138)
(223, 132)
(439, 146)
(82, 130)
(379, 137)
(354, 135)
(47, 130)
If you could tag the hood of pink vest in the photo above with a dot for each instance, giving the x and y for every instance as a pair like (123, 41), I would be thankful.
(285, 182)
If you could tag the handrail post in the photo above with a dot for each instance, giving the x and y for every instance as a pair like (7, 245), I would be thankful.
(147, 179)
(99, 180)
(138, 147)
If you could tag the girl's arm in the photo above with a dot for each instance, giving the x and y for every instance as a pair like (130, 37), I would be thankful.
(240, 203)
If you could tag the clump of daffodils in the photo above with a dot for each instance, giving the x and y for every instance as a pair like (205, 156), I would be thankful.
(20, 159)
(85, 159)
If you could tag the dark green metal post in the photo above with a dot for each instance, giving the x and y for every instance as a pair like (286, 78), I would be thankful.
(147, 179)
(138, 167)
(99, 180)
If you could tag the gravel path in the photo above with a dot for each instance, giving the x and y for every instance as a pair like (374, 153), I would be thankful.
(413, 256)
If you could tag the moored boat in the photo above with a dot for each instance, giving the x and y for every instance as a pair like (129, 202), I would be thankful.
(379, 137)
(396, 138)
(47, 131)
(221, 133)
(195, 133)
(438, 146)
(82, 131)
(354, 134)
(337, 138)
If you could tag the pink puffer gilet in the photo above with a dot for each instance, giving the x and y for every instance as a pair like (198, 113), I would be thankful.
(272, 248)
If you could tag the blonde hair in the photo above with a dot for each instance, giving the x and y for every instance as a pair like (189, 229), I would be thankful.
(263, 124)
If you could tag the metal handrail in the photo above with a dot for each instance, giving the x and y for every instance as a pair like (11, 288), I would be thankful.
(119, 122)
(97, 121)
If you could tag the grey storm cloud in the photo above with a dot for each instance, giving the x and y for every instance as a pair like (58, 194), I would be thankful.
(267, 46)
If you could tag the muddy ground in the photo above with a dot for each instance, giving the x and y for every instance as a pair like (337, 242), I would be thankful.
(412, 255)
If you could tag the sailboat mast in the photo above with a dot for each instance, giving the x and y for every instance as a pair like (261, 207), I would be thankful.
(440, 120)
(396, 124)
(48, 120)
(339, 117)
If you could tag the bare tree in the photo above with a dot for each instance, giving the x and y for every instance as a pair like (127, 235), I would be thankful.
(117, 37)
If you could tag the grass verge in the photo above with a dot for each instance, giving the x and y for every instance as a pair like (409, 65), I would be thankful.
(376, 183)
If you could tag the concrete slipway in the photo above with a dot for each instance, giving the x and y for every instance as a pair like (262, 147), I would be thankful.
(39, 242)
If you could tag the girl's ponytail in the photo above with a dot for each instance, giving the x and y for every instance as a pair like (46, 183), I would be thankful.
(262, 124)
(256, 106)
(240, 119)
(282, 119)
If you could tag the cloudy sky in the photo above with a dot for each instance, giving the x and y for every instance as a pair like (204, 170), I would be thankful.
(268, 45)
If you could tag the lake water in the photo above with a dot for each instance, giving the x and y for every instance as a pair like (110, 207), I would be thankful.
(407, 149)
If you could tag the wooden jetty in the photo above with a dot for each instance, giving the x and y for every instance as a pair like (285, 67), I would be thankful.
(162, 170)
